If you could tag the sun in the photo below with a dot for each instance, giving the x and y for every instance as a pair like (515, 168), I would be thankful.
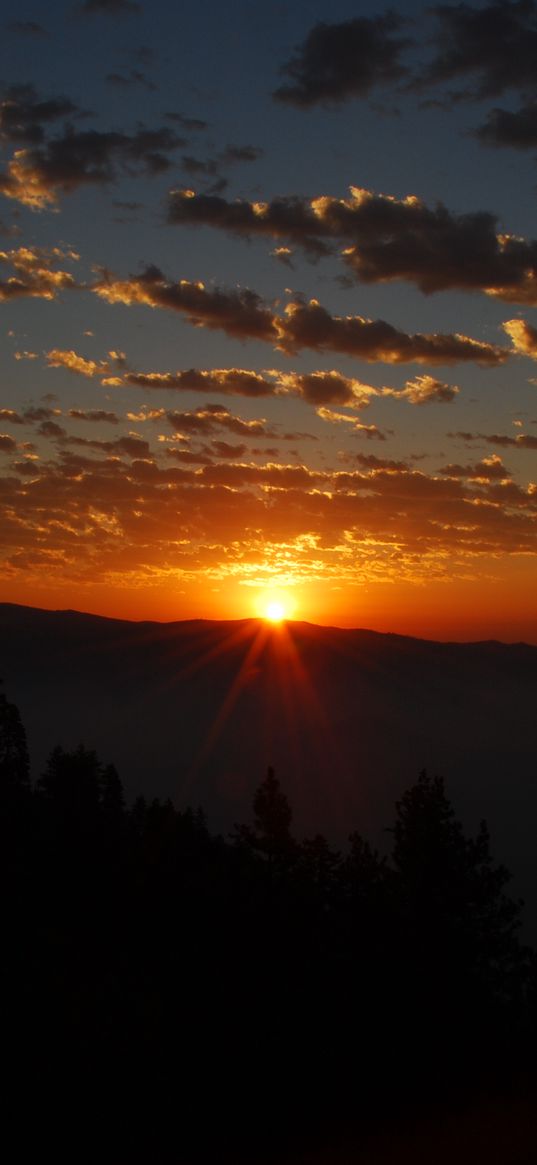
(274, 605)
(274, 611)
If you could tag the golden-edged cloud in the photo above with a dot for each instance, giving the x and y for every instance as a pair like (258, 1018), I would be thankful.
(242, 314)
(35, 274)
(36, 175)
(381, 238)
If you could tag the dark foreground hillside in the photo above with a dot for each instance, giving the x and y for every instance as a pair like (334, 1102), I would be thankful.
(174, 995)
(197, 710)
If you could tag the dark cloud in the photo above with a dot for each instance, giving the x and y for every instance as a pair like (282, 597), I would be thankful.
(290, 218)
(214, 416)
(226, 450)
(229, 381)
(340, 61)
(78, 158)
(11, 416)
(387, 238)
(52, 430)
(492, 49)
(327, 388)
(243, 314)
(192, 124)
(503, 441)
(315, 387)
(130, 446)
(94, 415)
(489, 469)
(26, 28)
(35, 414)
(515, 128)
(7, 443)
(211, 167)
(309, 325)
(23, 114)
(239, 154)
(190, 456)
(196, 166)
(369, 461)
(135, 77)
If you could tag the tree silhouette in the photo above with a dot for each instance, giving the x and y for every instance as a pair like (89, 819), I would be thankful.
(271, 833)
(72, 782)
(14, 762)
(112, 798)
(451, 894)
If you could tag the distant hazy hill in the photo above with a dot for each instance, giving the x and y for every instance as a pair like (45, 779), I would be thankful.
(197, 710)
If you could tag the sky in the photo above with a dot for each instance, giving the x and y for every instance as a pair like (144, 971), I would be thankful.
(268, 288)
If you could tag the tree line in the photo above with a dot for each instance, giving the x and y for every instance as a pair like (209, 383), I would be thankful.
(176, 994)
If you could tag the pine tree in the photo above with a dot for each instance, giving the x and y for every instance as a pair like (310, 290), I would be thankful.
(14, 762)
(452, 901)
(271, 833)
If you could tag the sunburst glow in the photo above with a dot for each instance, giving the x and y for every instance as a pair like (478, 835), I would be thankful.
(275, 611)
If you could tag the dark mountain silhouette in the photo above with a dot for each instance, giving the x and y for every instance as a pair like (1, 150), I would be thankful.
(196, 710)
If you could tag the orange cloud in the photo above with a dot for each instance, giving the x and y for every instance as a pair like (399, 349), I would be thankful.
(34, 274)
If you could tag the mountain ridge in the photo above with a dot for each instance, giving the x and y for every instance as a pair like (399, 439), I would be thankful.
(196, 710)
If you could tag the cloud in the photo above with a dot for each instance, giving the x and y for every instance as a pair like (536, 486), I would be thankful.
(34, 273)
(7, 443)
(94, 415)
(23, 114)
(229, 381)
(523, 336)
(489, 469)
(35, 176)
(211, 167)
(129, 446)
(238, 154)
(387, 238)
(243, 315)
(192, 124)
(425, 390)
(320, 387)
(52, 430)
(124, 517)
(341, 61)
(325, 388)
(492, 49)
(504, 441)
(26, 28)
(514, 128)
(214, 416)
(225, 449)
(309, 325)
(369, 461)
(335, 418)
(11, 416)
(35, 414)
(135, 77)
(57, 358)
